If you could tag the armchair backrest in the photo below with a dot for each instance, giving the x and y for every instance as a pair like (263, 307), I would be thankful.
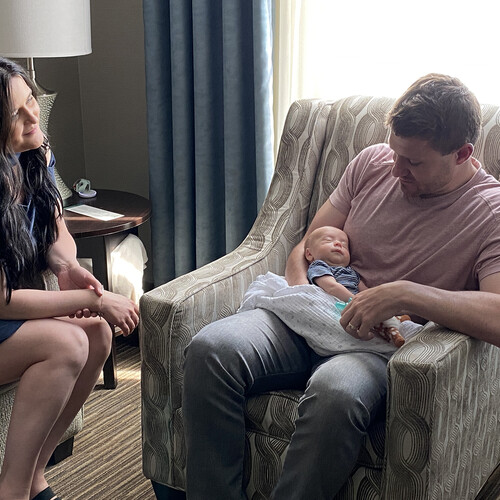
(353, 124)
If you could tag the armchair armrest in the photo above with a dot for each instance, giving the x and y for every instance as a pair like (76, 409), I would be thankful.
(49, 280)
(171, 315)
(442, 419)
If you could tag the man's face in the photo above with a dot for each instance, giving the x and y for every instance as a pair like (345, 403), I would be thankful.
(421, 170)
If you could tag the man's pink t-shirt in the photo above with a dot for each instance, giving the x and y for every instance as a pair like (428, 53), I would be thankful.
(450, 241)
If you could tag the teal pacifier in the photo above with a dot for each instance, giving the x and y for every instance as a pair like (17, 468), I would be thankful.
(340, 306)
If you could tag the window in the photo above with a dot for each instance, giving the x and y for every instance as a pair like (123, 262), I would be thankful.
(332, 49)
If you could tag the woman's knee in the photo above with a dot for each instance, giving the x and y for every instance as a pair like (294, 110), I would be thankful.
(71, 348)
(100, 337)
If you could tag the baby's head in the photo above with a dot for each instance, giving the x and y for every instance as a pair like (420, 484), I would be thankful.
(329, 244)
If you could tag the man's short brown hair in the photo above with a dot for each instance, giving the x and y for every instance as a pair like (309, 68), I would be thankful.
(440, 109)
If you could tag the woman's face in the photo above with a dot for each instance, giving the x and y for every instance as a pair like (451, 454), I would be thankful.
(25, 131)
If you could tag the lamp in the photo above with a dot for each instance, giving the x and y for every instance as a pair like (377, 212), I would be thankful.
(45, 28)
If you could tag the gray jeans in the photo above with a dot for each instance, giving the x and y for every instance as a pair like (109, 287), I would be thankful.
(253, 352)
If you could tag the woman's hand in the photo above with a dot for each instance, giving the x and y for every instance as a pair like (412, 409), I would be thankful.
(76, 277)
(119, 311)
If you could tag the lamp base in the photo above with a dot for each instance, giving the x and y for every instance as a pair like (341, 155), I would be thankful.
(46, 99)
(64, 190)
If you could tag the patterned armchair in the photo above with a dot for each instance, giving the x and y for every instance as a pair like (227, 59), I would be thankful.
(440, 438)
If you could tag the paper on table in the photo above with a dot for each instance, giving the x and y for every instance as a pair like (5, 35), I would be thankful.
(96, 213)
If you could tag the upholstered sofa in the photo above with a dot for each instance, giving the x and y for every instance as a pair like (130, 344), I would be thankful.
(7, 395)
(440, 438)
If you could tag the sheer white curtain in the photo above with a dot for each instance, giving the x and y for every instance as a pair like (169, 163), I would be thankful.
(332, 49)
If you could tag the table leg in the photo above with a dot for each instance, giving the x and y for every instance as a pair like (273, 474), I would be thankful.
(109, 369)
(99, 249)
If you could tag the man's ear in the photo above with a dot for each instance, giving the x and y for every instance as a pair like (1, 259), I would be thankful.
(464, 153)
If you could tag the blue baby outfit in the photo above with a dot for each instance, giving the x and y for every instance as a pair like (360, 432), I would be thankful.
(346, 276)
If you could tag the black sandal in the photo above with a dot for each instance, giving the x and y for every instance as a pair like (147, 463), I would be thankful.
(46, 494)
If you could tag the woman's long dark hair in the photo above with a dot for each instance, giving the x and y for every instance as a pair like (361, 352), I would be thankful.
(23, 252)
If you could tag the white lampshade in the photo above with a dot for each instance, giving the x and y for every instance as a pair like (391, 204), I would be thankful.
(44, 28)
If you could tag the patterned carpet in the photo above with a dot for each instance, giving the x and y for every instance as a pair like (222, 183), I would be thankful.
(107, 459)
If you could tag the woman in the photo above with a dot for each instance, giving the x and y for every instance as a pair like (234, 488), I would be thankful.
(54, 342)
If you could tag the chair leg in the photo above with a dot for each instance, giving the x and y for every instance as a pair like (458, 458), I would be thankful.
(109, 369)
(164, 492)
(63, 450)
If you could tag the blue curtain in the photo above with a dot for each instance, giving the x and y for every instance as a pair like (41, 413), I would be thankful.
(208, 84)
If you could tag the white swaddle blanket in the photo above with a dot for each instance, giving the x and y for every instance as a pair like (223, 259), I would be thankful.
(310, 312)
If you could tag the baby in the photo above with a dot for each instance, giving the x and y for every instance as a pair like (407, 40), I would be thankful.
(327, 251)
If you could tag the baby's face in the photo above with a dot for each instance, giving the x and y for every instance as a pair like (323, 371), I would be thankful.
(330, 245)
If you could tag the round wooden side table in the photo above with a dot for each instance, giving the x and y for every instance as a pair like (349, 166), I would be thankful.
(96, 239)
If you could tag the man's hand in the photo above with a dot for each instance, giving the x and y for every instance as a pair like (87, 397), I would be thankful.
(371, 307)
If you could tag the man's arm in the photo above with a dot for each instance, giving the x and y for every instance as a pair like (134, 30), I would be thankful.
(296, 265)
(475, 313)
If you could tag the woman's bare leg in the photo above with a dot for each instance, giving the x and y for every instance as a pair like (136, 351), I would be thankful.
(47, 359)
(99, 336)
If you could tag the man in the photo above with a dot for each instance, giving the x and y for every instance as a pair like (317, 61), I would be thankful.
(422, 218)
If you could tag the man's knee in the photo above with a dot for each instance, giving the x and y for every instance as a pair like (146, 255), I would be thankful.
(344, 396)
(211, 351)
(225, 351)
(221, 341)
(329, 392)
